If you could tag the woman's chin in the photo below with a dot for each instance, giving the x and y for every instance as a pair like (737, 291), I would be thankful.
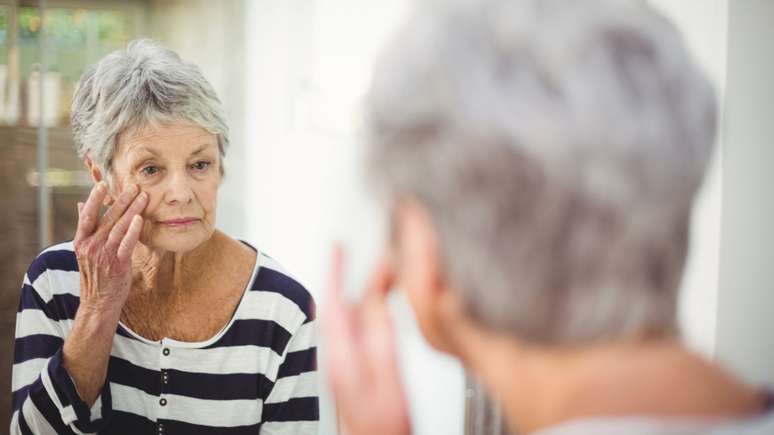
(179, 241)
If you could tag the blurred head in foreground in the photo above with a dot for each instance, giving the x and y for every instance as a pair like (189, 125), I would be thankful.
(541, 158)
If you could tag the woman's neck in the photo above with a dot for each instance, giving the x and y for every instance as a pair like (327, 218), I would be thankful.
(541, 387)
(161, 271)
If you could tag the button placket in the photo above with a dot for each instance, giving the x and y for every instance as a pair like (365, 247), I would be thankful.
(164, 364)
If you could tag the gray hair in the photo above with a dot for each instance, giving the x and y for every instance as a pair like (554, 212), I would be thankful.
(557, 146)
(144, 85)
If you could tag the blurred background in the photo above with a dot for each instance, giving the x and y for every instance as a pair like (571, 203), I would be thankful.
(291, 74)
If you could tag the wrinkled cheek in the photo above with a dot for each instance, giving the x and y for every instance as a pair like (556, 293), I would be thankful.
(211, 218)
(147, 232)
(210, 206)
(148, 227)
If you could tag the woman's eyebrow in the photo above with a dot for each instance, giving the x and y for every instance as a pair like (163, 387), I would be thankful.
(139, 150)
(202, 148)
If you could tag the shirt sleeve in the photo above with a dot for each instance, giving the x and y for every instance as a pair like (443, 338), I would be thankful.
(44, 397)
(292, 407)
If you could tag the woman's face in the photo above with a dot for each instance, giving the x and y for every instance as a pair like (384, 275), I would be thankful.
(178, 165)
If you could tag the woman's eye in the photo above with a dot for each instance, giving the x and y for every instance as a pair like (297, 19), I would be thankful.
(200, 166)
(149, 170)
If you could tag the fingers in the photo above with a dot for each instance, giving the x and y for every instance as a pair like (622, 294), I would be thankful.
(118, 232)
(129, 241)
(87, 216)
(114, 213)
(361, 361)
(337, 313)
(336, 283)
(376, 318)
(338, 327)
(381, 281)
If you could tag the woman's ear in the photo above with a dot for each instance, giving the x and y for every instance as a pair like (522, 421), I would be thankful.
(97, 176)
(438, 306)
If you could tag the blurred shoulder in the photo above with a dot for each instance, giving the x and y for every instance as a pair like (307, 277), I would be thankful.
(755, 425)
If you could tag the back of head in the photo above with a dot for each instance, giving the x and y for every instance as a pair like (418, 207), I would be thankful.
(558, 147)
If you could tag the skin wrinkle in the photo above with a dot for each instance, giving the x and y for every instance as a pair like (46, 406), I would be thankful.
(202, 198)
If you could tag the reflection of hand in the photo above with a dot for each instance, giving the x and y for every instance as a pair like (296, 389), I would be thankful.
(362, 365)
(104, 247)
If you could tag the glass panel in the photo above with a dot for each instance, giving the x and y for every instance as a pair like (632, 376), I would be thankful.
(75, 39)
(10, 276)
(3, 63)
(3, 34)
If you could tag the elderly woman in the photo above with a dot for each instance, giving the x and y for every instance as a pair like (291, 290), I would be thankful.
(541, 158)
(151, 320)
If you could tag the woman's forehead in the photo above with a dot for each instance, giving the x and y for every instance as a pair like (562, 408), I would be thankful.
(166, 139)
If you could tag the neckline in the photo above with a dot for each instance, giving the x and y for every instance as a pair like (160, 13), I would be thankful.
(218, 335)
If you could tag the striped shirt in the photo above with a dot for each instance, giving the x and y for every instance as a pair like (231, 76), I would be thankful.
(256, 376)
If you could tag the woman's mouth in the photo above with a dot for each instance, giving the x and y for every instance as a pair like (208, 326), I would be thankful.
(179, 222)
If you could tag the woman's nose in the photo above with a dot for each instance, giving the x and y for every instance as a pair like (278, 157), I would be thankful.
(179, 189)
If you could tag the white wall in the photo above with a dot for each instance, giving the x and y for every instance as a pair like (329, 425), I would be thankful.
(745, 324)
(728, 300)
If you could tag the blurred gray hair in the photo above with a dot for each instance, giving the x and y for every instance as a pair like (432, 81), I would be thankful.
(144, 85)
(557, 146)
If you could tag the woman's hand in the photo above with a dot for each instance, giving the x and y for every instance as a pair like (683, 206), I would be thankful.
(104, 246)
(361, 361)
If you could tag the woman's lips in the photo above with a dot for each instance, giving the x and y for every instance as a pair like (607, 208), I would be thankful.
(179, 222)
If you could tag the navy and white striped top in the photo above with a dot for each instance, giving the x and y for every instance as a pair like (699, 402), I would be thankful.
(256, 376)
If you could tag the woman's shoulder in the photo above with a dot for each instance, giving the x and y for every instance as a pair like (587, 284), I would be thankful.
(53, 265)
(52, 283)
(273, 278)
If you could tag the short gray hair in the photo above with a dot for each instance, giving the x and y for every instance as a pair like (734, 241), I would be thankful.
(557, 146)
(144, 85)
